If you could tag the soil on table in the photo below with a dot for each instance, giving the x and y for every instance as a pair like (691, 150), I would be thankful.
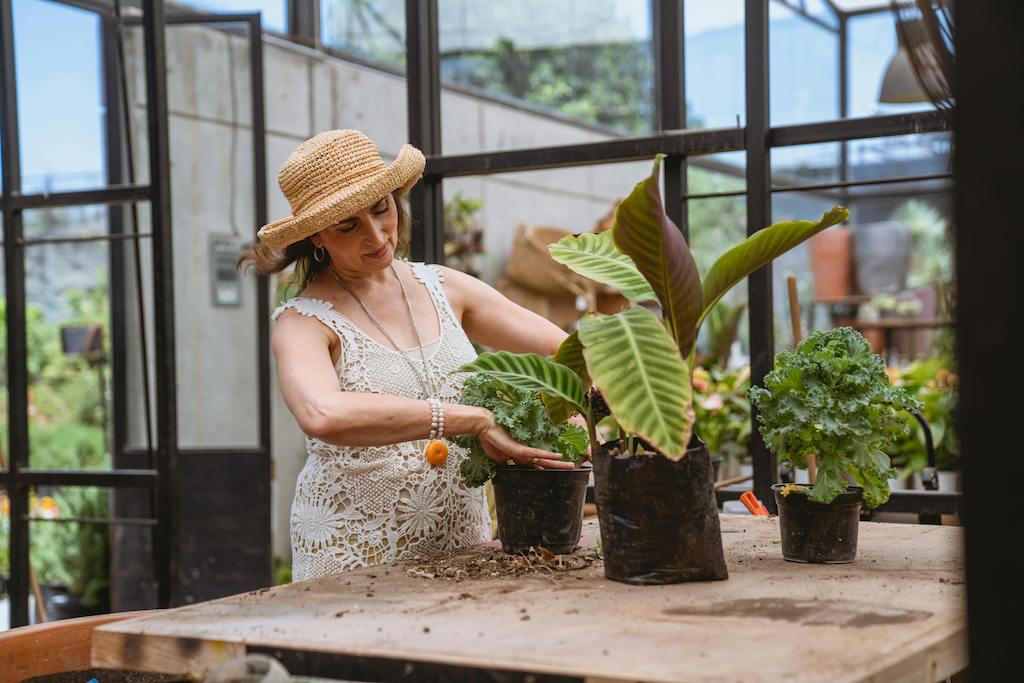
(108, 676)
(485, 562)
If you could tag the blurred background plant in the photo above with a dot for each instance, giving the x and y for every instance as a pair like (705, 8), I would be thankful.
(931, 262)
(932, 382)
(464, 234)
(67, 430)
(723, 414)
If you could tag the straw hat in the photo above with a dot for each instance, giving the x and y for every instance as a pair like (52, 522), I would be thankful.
(332, 176)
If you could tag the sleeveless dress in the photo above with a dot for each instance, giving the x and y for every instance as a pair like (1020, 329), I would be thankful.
(356, 507)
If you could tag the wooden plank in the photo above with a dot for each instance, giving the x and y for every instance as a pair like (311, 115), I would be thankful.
(896, 614)
(50, 648)
(158, 653)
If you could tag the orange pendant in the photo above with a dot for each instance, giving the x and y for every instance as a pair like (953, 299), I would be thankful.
(436, 453)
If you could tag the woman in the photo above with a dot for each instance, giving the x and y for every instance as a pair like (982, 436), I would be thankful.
(365, 357)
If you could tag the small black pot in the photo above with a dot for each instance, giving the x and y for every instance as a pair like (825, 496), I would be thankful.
(540, 508)
(60, 604)
(816, 532)
(659, 519)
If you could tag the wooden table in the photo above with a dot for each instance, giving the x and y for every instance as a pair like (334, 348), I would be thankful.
(896, 614)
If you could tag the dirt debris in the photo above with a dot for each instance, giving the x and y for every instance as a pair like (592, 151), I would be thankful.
(483, 562)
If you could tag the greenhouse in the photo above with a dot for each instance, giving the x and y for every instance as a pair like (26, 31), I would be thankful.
(452, 340)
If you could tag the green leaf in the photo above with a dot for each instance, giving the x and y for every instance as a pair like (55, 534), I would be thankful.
(644, 233)
(569, 354)
(594, 255)
(758, 250)
(476, 468)
(637, 367)
(532, 372)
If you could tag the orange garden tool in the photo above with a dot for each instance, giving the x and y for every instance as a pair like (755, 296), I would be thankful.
(753, 504)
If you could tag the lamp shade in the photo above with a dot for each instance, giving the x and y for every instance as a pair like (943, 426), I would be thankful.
(899, 85)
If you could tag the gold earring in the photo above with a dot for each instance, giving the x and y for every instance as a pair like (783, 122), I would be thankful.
(321, 255)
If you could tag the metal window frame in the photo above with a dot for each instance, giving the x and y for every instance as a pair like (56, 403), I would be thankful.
(757, 139)
(160, 479)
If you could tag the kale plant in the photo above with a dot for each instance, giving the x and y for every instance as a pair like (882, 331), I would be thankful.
(832, 398)
(523, 415)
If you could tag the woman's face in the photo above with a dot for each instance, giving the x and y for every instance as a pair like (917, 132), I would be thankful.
(364, 242)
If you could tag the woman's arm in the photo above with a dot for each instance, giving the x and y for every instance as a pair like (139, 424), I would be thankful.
(491, 319)
(309, 385)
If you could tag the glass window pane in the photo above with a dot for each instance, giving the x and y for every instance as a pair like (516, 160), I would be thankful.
(716, 225)
(60, 97)
(274, 11)
(714, 64)
(69, 354)
(70, 549)
(806, 164)
(816, 9)
(514, 213)
(804, 69)
(872, 48)
(371, 30)
(564, 61)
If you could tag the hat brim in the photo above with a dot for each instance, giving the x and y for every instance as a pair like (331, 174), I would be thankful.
(404, 172)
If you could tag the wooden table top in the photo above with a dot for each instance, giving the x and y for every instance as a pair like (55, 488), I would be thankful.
(896, 613)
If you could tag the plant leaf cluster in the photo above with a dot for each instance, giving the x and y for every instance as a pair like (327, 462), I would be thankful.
(640, 363)
(523, 416)
(831, 397)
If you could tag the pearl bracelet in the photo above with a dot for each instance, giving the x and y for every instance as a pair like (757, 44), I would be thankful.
(436, 419)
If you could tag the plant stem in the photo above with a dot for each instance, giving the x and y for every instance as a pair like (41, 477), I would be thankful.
(591, 428)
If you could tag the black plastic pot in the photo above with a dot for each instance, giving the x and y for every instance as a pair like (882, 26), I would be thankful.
(60, 604)
(659, 519)
(816, 532)
(540, 508)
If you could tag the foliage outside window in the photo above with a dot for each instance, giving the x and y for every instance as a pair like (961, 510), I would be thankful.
(66, 431)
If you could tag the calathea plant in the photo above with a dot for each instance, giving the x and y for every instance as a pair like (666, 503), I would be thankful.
(642, 363)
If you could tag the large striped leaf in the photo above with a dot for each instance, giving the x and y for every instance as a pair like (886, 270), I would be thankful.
(569, 354)
(758, 250)
(637, 367)
(594, 255)
(644, 233)
(532, 372)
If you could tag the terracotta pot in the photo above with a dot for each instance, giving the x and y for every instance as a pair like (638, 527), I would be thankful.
(832, 262)
(877, 340)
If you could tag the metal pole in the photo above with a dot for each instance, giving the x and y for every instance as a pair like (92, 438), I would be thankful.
(844, 103)
(259, 156)
(423, 73)
(670, 89)
(17, 346)
(759, 214)
(166, 544)
(987, 163)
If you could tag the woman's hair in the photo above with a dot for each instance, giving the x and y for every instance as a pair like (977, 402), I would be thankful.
(266, 261)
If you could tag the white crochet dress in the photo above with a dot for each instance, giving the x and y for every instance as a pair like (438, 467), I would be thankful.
(356, 507)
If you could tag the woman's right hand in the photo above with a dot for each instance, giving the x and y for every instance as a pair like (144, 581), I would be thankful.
(501, 447)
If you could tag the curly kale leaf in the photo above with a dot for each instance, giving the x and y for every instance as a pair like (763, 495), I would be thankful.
(524, 417)
(832, 398)
(476, 469)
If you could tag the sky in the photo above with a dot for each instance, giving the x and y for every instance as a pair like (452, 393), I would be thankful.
(60, 97)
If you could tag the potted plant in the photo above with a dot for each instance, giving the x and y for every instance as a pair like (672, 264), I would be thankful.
(653, 484)
(723, 413)
(832, 263)
(536, 508)
(831, 398)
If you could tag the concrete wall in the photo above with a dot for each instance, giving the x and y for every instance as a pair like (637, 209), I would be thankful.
(307, 92)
